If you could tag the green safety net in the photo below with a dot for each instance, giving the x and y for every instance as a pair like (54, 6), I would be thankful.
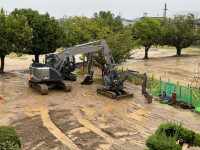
(195, 97)
(185, 93)
(155, 87)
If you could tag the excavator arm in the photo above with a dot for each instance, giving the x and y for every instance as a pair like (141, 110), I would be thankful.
(136, 74)
(64, 61)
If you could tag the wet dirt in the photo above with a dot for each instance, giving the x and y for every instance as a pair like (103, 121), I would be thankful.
(82, 119)
(166, 64)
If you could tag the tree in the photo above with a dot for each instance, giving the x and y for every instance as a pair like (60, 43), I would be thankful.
(104, 19)
(198, 35)
(180, 32)
(48, 35)
(147, 33)
(120, 45)
(103, 25)
(15, 34)
(80, 30)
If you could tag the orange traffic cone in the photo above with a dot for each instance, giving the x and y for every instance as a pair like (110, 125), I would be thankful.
(13, 74)
(82, 68)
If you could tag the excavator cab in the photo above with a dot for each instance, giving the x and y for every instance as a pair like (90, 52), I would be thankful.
(70, 63)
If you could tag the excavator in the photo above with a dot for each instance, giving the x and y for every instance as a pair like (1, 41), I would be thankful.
(112, 85)
(59, 67)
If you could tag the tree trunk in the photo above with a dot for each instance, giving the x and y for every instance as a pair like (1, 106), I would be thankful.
(2, 64)
(178, 51)
(37, 58)
(146, 52)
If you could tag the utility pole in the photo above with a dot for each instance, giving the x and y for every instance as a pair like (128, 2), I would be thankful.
(165, 11)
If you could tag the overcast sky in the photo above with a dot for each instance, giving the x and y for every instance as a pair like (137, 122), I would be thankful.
(129, 9)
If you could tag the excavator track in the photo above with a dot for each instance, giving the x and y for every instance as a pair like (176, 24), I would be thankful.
(42, 88)
(107, 93)
(113, 94)
(127, 95)
(66, 86)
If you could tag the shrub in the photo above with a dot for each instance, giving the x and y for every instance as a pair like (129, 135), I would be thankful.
(9, 139)
(167, 135)
(162, 142)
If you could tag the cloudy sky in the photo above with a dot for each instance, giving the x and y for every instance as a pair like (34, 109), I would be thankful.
(126, 8)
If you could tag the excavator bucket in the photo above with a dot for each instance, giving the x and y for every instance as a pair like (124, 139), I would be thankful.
(148, 97)
(87, 81)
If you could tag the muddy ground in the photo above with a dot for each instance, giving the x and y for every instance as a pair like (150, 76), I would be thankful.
(82, 119)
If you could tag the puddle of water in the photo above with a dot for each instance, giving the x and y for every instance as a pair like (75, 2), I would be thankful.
(133, 60)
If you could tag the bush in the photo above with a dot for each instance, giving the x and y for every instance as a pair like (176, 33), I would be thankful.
(162, 142)
(167, 135)
(9, 139)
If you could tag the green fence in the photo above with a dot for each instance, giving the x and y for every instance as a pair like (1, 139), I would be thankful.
(185, 93)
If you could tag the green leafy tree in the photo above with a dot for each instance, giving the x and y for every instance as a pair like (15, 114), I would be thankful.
(80, 30)
(104, 19)
(48, 35)
(147, 33)
(180, 32)
(120, 45)
(15, 35)
(198, 35)
(103, 25)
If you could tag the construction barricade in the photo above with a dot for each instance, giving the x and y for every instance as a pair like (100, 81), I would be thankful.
(187, 94)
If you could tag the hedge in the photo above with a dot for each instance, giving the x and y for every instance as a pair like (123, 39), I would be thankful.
(167, 135)
(9, 139)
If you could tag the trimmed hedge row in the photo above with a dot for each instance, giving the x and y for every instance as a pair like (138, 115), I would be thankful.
(167, 135)
(9, 139)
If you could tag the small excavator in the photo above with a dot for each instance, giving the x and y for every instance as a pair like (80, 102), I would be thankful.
(59, 67)
(112, 85)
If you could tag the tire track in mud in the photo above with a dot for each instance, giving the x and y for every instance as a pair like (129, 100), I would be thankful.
(54, 130)
(47, 122)
(106, 134)
(112, 141)
(111, 138)
(92, 127)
